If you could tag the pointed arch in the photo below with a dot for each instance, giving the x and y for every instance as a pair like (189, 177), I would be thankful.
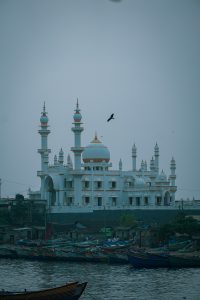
(50, 190)
(167, 198)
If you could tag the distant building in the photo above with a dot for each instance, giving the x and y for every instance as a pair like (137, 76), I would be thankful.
(90, 184)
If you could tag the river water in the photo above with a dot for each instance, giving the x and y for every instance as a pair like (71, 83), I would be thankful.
(110, 282)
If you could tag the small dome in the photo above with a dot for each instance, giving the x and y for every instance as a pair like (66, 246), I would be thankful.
(44, 118)
(173, 162)
(139, 182)
(96, 152)
(77, 117)
(156, 147)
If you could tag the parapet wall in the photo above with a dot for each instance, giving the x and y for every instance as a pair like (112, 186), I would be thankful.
(112, 218)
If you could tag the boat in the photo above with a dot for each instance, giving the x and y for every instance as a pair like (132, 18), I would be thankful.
(116, 255)
(7, 253)
(148, 260)
(118, 258)
(184, 260)
(176, 246)
(70, 291)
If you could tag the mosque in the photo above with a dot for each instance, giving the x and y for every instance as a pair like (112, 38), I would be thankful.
(90, 184)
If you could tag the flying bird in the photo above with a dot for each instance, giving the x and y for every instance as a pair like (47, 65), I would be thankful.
(111, 117)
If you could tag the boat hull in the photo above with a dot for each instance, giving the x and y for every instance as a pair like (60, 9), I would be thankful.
(183, 261)
(148, 260)
(72, 291)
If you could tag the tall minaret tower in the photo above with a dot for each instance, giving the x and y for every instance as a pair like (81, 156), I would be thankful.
(156, 161)
(134, 156)
(173, 169)
(44, 151)
(61, 157)
(120, 165)
(152, 166)
(77, 129)
(77, 149)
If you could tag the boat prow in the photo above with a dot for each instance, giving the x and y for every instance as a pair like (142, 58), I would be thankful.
(70, 291)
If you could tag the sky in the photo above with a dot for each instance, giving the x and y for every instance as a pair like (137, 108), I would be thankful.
(138, 59)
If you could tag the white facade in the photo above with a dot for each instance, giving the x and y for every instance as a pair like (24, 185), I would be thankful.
(92, 185)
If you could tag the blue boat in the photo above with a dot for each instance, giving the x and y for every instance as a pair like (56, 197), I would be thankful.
(148, 260)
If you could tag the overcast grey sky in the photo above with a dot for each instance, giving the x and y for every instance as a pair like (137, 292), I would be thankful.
(137, 58)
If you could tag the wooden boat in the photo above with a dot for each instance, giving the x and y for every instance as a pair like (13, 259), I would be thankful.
(184, 260)
(118, 258)
(7, 253)
(70, 291)
(118, 255)
(176, 246)
(148, 260)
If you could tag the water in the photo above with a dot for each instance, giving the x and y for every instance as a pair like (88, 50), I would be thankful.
(110, 282)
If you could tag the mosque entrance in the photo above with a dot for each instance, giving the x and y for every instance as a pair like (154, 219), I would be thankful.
(167, 198)
(50, 190)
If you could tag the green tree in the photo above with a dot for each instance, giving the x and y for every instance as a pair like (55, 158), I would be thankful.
(19, 211)
(181, 224)
(128, 220)
(4, 218)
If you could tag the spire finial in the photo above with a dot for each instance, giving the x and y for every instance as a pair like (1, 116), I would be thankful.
(77, 107)
(95, 140)
(44, 108)
(44, 118)
(120, 164)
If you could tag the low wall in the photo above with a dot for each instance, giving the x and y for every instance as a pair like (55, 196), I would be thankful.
(112, 217)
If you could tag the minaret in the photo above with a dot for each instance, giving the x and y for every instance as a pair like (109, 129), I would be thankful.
(134, 156)
(145, 165)
(173, 169)
(156, 154)
(44, 151)
(77, 149)
(61, 157)
(77, 129)
(152, 165)
(142, 165)
(55, 160)
(69, 162)
(120, 165)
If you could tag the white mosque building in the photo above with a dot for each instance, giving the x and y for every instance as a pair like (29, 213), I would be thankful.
(91, 184)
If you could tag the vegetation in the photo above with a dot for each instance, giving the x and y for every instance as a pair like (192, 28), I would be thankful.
(4, 218)
(128, 220)
(19, 211)
(182, 225)
(22, 213)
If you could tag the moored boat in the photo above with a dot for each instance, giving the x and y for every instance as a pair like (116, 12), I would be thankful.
(184, 260)
(7, 253)
(70, 291)
(148, 260)
(118, 258)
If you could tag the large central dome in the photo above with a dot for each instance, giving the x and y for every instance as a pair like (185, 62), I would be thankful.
(96, 152)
